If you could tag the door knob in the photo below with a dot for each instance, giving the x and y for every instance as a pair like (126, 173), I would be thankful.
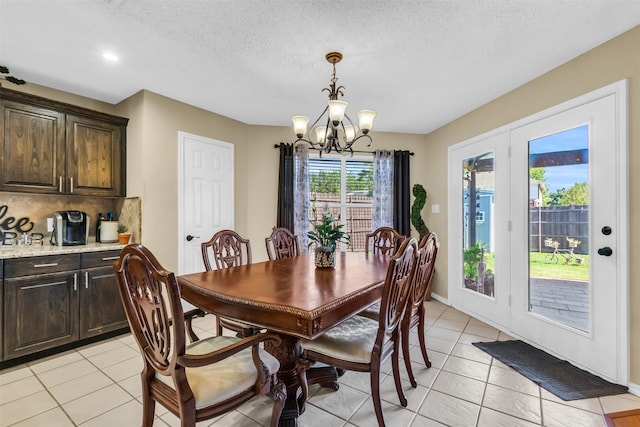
(606, 251)
(190, 237)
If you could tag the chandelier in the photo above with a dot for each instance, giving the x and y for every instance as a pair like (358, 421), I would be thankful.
(335, 130)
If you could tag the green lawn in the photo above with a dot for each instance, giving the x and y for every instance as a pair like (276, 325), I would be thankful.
(538, 267)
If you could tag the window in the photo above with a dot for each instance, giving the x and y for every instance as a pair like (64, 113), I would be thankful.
(344, 186)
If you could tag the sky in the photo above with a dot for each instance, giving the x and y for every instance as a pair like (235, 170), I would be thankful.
(563, 176)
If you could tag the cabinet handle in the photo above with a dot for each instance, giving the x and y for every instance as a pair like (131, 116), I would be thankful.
(60, 184)
(44, 285)
(86, 280)
(75, 281)
(53, 264)
(71, 184)
(110, 258)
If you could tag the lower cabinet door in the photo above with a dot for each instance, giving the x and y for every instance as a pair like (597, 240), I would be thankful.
(100, 307)
(41, 312)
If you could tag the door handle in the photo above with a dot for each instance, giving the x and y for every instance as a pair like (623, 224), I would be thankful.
(606, 251)
(190, 237)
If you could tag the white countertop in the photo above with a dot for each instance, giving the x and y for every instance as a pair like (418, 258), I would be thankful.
(23, 251)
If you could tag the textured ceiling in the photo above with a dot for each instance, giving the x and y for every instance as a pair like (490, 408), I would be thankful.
(420, 64)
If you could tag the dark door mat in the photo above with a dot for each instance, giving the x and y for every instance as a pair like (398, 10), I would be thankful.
(554, 375)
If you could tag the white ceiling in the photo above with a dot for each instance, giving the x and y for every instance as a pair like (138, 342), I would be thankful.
(419, 64)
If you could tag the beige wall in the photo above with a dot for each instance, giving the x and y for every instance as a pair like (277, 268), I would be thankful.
(613, 61)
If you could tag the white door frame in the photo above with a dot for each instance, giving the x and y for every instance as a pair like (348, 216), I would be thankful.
(620, 90)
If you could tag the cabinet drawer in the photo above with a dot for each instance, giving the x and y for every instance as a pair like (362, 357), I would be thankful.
(40, 265)
(99, 259)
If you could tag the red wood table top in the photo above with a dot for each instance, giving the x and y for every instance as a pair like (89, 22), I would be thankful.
(290, 295)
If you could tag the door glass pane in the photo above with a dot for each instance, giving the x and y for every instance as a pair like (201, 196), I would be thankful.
(479, 234)
(559, 227)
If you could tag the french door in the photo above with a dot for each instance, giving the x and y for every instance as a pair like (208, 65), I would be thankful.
(540, 243)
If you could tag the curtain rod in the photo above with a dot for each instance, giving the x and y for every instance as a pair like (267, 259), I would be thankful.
(354, 151)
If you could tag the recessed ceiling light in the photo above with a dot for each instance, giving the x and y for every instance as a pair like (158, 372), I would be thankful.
(109, 56)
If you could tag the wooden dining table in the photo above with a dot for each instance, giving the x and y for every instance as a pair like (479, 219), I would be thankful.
(293, 299)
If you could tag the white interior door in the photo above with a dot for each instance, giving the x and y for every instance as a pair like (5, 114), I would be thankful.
(573, 316)
(206, 196)
(593, 333)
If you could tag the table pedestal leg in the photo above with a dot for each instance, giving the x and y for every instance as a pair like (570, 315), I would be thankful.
(288, 354)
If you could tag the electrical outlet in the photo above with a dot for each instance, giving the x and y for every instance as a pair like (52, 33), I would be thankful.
(435, 208)
(49, 225)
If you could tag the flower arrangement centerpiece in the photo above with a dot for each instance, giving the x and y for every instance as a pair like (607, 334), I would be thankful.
(325, 235)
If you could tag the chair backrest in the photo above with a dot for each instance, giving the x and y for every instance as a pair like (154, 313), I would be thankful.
(227, 248)
(281, 244)
(384, 240)
(151, 299)
(395, 291)
(425, 264)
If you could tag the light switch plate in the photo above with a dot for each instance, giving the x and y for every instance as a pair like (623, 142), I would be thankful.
(49, 225)
(435, 208)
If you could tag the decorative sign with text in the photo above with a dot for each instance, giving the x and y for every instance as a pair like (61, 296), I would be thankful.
(8, 223)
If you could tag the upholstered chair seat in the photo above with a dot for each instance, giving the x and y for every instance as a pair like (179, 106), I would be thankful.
(215, 383)
(351, 340)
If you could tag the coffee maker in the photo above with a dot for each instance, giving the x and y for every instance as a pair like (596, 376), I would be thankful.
(70, 228)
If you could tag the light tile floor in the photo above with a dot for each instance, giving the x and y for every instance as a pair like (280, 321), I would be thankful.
(99, 385)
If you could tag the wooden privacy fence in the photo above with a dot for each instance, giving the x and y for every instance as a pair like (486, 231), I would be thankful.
(558, 223)
(358, 218)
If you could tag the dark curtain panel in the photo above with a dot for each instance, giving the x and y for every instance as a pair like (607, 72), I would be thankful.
(285, 188)
(402, 193)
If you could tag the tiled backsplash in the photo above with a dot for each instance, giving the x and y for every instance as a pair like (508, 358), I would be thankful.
(37, 208)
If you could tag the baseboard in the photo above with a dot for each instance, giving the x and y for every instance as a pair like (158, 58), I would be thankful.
(634, 389)
(440, 299)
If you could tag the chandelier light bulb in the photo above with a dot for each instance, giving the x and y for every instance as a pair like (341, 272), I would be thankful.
(300, 125)
(337, 110)
(365, 120)
(350, 132)
(321, 134)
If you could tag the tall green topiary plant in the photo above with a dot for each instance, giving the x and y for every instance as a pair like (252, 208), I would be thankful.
(420, 195)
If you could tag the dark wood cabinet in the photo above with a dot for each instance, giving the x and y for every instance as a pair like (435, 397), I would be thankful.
(40, 304)
(100, 307)
(50, 301)
(33, 152)
(56, 148)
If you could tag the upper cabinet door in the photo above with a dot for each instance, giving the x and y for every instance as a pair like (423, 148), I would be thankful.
(33, 152)
(94, 156)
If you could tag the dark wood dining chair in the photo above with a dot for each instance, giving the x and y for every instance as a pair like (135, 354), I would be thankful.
(228, 249)
(383, 240)
(414, 316)
(362, 344)
(198, 381)
(281, 244)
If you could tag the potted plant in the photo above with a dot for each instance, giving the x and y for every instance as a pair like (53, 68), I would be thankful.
(123, 234)
(325, 235)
